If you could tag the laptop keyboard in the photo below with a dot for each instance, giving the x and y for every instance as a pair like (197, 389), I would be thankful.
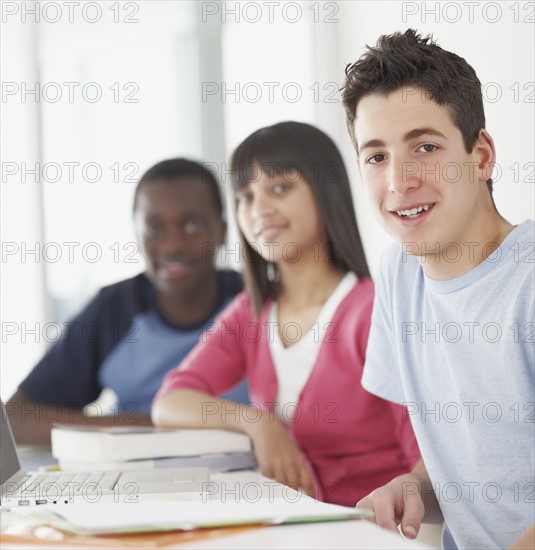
(51, 486)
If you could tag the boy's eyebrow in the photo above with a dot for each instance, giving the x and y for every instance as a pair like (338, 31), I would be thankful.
(417, 132)
(371, 143)
(412, 134)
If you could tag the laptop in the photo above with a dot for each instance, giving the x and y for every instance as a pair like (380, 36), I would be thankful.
(20, 488)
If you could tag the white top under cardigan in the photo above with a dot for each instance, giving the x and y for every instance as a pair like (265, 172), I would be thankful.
(294, 364)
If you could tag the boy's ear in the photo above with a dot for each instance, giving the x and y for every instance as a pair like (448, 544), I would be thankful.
(486, 154)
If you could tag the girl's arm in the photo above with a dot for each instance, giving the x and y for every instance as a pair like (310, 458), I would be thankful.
(190, 408)
(277, 453)
(216, 364)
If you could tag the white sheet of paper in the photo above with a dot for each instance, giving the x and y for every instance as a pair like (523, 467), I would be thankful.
(93, 518)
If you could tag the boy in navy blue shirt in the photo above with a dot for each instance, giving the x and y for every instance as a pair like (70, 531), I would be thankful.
(133, 332)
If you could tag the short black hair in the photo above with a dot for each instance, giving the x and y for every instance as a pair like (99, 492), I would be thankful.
(179, 168)
(403, 59)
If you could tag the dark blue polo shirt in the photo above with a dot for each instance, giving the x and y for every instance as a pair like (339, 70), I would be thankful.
(121, 341)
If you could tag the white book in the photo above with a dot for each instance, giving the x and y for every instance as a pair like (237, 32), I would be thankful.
(224, 462)
(122, 443)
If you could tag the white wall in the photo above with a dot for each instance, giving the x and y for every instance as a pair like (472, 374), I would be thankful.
(22, 289)
(133, 125)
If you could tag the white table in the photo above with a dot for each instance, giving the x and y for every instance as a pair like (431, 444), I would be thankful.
(332, 535)
(357, 534)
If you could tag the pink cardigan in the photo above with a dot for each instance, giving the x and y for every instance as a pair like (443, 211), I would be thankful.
(353, 440)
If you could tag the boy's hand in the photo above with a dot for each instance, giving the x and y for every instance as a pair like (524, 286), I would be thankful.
(397, 502)
(278, 455)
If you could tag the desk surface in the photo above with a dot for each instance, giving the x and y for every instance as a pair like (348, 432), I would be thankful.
(344, 535)
(358, 534)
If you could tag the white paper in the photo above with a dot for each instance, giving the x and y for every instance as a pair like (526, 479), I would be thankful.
(111, 518)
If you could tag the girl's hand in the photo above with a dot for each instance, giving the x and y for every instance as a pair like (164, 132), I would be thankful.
(278, 455)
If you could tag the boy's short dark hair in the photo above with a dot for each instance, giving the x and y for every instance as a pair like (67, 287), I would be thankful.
(181, 168)
(408, 59)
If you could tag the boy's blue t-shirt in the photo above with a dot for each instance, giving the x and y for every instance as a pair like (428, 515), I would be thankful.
(460, 354)
(121, 341)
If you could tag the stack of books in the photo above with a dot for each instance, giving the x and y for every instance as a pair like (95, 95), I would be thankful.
(143, 447)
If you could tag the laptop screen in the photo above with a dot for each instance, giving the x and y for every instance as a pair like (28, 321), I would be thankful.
(9, 461)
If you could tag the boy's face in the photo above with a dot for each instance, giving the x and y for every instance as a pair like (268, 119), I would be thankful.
(426, 189)
(175, 221)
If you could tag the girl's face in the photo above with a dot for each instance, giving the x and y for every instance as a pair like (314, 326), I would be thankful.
(279, 218)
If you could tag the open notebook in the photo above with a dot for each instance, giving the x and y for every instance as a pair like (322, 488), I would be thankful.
(87, 519)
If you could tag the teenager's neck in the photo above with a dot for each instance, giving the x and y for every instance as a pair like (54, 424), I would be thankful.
(190, 308)
(486, 234)
(308, 282)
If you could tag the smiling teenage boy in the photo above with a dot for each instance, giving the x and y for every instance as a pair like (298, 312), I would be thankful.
(453, 321)
(144, 325)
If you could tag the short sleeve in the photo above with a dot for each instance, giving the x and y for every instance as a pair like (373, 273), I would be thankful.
(217, 363)
(364, 322)
(68, 373)
(382, 370)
